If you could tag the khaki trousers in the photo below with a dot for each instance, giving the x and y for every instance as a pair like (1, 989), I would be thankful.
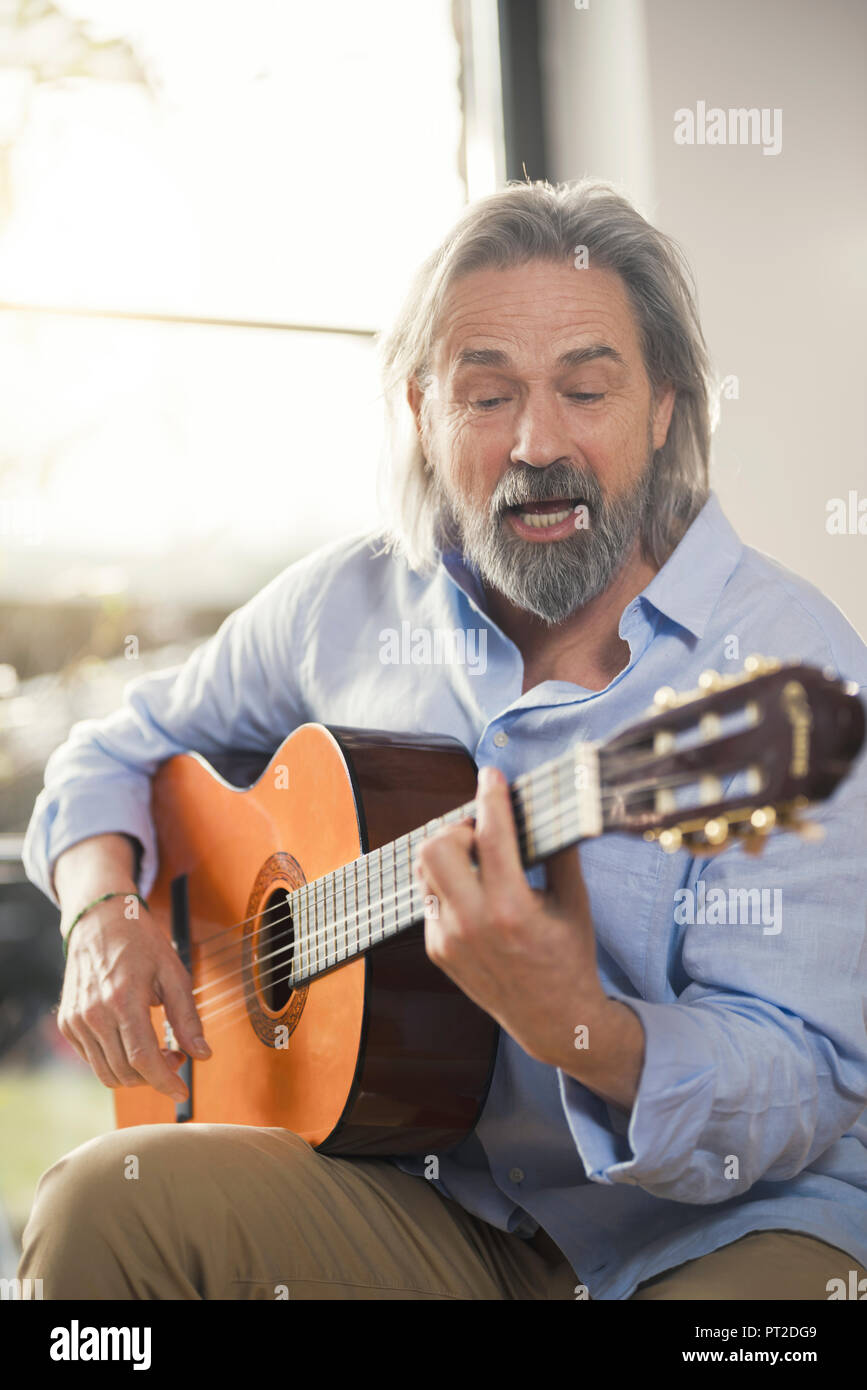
(203, 1211)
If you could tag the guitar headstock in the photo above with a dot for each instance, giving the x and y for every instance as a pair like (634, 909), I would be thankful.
(732, 759)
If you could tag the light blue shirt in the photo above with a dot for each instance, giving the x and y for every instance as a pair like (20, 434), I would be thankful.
(750, 1112)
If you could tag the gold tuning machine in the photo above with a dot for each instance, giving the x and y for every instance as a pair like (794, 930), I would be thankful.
(667, 698)
(807, 829)
(757, 665)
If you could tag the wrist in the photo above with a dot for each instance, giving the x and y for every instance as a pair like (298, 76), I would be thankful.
(131, 899)
(608, 1057)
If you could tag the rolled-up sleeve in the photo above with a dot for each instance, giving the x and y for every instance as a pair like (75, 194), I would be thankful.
(758, 1064)
(239, 690)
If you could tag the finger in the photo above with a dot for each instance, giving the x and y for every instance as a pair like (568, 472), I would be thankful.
(113, 1049)
(565, 881)
(146, 1056)
(446, 867)
(68, 1032)
(175, 989)
(496, 835)
(96, 1058)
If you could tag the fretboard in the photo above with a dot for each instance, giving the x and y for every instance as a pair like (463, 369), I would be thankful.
(347, 912)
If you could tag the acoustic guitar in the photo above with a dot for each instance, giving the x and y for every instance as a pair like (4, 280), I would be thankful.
(289, 893)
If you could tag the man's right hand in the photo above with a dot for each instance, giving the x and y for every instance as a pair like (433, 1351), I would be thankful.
(117, 968)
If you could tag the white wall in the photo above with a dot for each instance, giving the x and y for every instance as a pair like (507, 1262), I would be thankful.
(777, 242)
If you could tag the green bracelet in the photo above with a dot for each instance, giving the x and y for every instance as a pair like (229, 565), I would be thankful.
(121, 893)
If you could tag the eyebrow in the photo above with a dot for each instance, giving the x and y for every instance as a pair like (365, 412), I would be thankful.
(575, 357)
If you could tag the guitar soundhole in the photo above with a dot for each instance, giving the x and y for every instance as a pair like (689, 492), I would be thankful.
(275, 952)
(274, 1007)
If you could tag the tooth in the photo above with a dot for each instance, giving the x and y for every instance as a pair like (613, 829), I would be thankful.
(544, 518)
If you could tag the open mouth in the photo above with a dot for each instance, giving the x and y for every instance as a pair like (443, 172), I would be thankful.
(542, 515)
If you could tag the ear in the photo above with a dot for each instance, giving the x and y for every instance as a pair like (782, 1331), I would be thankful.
(662, 412)
(414, 396)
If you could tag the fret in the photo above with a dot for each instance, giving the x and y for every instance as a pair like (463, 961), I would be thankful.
(395, 926)
(415, 908)
(328, 893)
(377, 905)
(300, 936)
(363, 885)
(311, 943)
(293, 925)
(331, 917)
(295, 930)
(352, 913)
(322, 921)
(309, 933)
(408, 900)
(343, 932)
(386, 893)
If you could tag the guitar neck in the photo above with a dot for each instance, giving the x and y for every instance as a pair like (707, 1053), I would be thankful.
(373, 898)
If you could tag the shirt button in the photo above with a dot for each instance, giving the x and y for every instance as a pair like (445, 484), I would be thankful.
(516, 1175)
(501, 739)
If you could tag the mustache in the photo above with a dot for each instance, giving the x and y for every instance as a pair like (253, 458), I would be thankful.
(526, 484)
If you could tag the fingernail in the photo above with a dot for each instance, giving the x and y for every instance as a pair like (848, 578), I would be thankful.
(488, 778)
(200, 1047)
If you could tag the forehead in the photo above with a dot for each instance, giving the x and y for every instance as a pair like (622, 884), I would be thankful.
(537, 308)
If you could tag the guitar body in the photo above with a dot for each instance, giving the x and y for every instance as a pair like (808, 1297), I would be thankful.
(288, 890)
(380, 1055)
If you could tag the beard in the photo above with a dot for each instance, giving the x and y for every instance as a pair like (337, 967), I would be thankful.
(551, 579)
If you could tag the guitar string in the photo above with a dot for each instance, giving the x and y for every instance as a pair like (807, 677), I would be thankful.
(370, 905)
(568, 762)
(417, 834)
(309, 900)
(541, 822)
(235, 1009)
(400, 895)
(546, 775)
(403, 890)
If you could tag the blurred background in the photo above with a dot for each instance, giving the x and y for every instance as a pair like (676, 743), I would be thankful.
(207, 212)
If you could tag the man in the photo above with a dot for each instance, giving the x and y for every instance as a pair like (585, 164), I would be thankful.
(551, 495)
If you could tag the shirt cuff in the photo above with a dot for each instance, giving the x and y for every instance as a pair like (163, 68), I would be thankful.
(50, 833)
(656, 1142)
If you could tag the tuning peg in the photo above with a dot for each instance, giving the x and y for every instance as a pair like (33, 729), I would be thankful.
(671, 840)
(757, 665)
(716, 831)
(752, 844)
(665, 697)
(807, 829)
(710, 680)
(750, 840)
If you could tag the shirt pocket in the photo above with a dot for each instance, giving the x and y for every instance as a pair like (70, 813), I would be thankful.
(622, 873)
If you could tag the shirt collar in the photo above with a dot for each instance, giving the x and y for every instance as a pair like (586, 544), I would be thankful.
(687, 587)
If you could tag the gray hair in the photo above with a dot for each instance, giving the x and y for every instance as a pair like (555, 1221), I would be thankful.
(541, 221)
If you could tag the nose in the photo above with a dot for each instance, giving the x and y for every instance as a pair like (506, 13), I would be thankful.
(540, 439)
